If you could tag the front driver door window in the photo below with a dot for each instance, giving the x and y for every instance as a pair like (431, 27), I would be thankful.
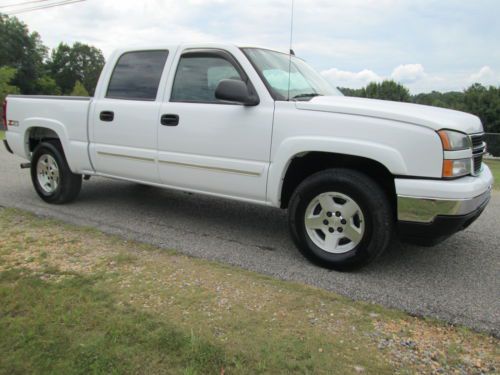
(197, 78)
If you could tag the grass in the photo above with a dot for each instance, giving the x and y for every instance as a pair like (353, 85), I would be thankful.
(77, 301)
(495, 169)
(2, 135)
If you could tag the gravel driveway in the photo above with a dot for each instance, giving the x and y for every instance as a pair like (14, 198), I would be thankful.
(457, 281)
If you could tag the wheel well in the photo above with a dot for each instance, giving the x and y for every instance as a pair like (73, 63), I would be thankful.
(37, 135)
(305, 165)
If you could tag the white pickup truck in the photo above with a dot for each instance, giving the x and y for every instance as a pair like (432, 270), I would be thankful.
(261, 126)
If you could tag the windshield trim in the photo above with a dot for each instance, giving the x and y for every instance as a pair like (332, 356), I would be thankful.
(275, 95)
(320, 86)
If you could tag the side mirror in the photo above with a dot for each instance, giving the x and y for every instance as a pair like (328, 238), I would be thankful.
(235, 90)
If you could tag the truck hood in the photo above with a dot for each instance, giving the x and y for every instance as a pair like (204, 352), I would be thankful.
(422, 115)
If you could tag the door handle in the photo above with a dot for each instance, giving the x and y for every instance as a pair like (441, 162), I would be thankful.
(170, 120)
(107, 116)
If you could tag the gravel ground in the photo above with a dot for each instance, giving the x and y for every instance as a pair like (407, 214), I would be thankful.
(456, 281)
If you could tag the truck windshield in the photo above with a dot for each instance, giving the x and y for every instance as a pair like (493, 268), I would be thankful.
(295, 81)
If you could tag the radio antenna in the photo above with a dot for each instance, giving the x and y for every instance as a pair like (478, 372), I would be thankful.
(291, 51)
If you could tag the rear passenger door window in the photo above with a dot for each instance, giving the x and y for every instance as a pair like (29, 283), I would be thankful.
(137, 75)
(197, 77)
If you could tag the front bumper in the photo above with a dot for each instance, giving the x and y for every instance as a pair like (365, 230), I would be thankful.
(433, 217)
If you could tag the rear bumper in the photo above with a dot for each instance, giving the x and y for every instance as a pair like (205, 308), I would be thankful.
(428, 220)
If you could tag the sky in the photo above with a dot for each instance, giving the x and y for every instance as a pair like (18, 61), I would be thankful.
(426, 45)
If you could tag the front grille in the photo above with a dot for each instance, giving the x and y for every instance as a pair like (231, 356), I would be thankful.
(478, 150)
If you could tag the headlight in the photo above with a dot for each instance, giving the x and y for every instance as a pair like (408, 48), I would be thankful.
(454, 141)
(457, 168)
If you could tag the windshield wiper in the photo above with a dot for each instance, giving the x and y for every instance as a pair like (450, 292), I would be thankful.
(309, 95)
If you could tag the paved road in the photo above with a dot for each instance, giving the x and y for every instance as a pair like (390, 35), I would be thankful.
(457, 281)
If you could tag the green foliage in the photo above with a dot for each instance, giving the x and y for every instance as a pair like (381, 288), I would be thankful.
(80, 62)
(452, 99)
(360, 93)
(485, 103)
(79, 90)
(23, 51)
(47, 86)
(6, 76)
(35, 74)
(495, 169)
(386, 90)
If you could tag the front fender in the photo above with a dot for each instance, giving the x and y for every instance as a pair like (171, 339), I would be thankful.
(292, 147)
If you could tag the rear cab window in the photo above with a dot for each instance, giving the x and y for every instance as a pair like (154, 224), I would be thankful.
(137, 75)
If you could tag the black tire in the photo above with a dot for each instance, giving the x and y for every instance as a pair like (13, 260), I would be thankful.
(69, 185)
(370, 198)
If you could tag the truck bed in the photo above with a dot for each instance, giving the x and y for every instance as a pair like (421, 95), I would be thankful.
(67, 116)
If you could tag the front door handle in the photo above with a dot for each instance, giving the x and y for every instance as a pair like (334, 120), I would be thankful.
(170, 120)
(107, 116)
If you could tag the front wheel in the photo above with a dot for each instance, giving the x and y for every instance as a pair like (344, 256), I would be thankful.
(340, 219)
(52, 179)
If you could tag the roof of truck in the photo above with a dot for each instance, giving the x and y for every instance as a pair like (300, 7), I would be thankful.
(227, 46)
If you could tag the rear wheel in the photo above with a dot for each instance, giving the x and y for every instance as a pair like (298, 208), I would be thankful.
(340, 219)
(52, 179)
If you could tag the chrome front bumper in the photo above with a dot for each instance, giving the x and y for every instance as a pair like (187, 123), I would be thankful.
(422, 201)
(425, 210)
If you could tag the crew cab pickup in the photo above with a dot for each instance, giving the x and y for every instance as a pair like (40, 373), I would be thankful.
(261, 126)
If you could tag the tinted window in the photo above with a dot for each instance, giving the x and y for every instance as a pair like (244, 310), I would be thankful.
(197, 77)
(137, 75)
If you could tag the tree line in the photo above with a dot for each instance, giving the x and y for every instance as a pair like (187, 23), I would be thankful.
(27, 66)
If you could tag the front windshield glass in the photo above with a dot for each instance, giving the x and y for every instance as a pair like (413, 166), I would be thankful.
(295, 81)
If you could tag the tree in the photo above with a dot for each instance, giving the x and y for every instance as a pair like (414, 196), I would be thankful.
(6, 76)
(352, 92)
(387, 90)
(6, 88)
(47, 86)
(23, 51)
(79, 90)
(79, 62)
(484, 103)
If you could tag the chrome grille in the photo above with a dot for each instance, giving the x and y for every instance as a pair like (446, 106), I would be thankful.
(478, 150)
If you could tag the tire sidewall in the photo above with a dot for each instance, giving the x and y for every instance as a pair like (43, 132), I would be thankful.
(375, 213)
(49, 149)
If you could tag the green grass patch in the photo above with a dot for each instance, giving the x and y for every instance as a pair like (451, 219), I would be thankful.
(2, 135)
(495, 169)
(77, 301)
(72, 327)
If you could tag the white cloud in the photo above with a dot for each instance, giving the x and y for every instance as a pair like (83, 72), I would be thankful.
(342, 78)
(358, 35)
(414, 77)
(408, 73)
(486, 76)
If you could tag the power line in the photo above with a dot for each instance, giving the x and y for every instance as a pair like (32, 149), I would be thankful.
(23, 3)
(46, 6)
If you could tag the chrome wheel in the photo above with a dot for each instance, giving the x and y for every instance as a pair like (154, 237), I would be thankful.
(47, 172)
(334, 222)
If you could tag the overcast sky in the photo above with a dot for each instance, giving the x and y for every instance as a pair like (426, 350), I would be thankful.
(425, 44)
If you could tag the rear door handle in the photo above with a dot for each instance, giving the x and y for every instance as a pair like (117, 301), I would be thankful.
(107, 116)
(170, 120)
